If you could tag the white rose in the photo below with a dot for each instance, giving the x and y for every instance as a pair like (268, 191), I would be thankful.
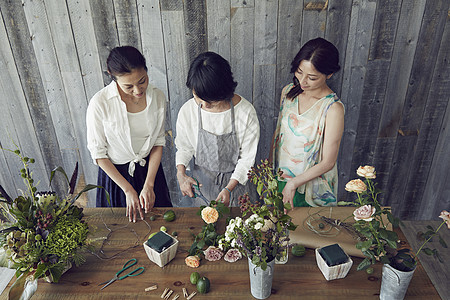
(366, 172)
(364, 213)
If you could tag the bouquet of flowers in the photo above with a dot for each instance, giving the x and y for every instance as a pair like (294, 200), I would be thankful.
(379, 243)
(263, 236)
(40, 233)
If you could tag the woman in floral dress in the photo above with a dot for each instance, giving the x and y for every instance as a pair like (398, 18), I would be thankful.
(309, 128)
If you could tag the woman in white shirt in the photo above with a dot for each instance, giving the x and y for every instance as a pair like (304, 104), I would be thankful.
(125, 133)
(218, 130)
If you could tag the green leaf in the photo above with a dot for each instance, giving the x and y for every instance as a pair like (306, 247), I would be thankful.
(259, 187)
(364, 264)
(89, 187)
(279, 204)
(428, 251)
(201, 244)
(363, 246)
(442, 242)
(392, 244)
(61, 170)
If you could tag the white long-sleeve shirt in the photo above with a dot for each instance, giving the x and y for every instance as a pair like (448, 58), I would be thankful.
(247, 132)
(108, 130)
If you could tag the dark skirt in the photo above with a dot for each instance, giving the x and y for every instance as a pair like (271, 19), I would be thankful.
(117, 196)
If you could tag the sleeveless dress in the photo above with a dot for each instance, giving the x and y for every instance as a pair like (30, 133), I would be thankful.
(298, 146)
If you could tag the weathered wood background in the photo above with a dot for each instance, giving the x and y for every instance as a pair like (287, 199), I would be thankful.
(394, 82)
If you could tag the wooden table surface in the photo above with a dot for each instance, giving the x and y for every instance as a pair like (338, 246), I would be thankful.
(299, 278)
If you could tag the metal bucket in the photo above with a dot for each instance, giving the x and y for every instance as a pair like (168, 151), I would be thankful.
(260, 280)
(394, 283)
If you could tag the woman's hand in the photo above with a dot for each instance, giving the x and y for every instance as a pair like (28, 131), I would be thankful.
(224, 196)
(133, 206)
(147, 198)
(186, 183)
(289, 193)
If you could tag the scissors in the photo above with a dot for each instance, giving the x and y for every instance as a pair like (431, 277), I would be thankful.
(126, 266)
(198, 193)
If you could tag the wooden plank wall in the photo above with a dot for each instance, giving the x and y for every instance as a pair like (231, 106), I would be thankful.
(394, 79)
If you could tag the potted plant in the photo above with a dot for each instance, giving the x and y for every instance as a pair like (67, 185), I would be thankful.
(41, 234)
(379, 242)
(262, 236)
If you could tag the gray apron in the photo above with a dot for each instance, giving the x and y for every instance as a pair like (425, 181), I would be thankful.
(215, 160)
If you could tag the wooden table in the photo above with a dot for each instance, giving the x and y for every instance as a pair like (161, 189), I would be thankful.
(299, 278)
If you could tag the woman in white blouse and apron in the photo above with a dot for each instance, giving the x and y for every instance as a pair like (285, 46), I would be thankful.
(125, 133)
(218, 130)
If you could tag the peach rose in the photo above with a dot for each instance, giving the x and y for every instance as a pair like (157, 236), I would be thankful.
(210, 215)
(356, 185)
(445, 215)
(366, 172)
(192, 261)
(364, 213)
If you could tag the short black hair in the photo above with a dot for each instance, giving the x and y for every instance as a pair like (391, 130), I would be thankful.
(122, 60)
(210, 77)
(323, 55)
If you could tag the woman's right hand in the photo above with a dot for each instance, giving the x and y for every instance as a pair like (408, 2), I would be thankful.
(186, 183)
(133, 206)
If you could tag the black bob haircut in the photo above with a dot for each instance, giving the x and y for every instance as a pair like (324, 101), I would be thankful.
(210, 78)
(322, 54)
(122, 60)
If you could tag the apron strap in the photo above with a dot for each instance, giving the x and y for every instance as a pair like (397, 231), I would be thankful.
(199, 116)
(233, 129)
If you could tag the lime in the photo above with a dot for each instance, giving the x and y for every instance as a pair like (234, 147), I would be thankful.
(169, 216)
(369, 270)
(163, 228)
(194, 277)
(151, 235)
(298, 250)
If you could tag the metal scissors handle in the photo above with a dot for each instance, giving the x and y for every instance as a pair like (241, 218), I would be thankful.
(126, 266)
(198, 193)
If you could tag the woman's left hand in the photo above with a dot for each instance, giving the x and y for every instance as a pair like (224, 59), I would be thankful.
(147, 198)
(289, 192)
(224, 196)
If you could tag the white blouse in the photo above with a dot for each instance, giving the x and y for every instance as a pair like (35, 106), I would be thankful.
(108, 130)
(247, 131)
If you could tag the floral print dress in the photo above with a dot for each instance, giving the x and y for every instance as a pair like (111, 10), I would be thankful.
(298, 146)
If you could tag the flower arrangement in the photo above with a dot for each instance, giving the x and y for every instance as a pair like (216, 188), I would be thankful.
(379, 243)
(208, 236)
(41, 233)
(263, 236)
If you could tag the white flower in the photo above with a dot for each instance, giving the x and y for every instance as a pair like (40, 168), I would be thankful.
(258, 226)
(233, 243)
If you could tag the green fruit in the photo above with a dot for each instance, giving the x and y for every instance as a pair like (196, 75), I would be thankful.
(163, 228)
(298, 250)
(194, 277)
(151, 235)
(174, 233)
(203, 285)
(152, 218)
(369, 270)
(169, 216)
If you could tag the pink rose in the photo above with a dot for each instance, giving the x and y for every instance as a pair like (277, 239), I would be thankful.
(366, 172)
(232, 255)
(213, 253)
(356, 185)
(445, 215)
(364, 213)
